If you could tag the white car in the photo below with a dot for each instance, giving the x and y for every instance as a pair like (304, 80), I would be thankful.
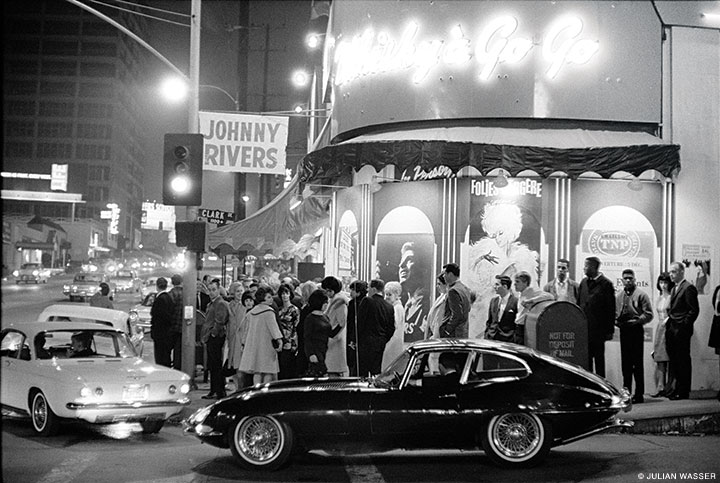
(140, 313)
(48, 375)
(127, 281)
(84, 313)
(31, 272)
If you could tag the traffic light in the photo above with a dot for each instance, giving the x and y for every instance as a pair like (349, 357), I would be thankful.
(182, 169)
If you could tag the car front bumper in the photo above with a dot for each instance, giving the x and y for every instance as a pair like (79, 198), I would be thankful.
(126, 412)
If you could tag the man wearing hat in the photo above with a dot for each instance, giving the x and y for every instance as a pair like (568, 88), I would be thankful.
(633, 310)
(502, 311)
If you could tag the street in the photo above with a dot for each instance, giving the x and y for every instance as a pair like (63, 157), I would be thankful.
(120, 453)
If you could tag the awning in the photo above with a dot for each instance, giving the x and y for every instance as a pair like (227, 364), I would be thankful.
(274, 228)
(34, 245)
(544, 151)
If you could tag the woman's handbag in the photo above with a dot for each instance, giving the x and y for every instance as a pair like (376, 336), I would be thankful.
(227, 370)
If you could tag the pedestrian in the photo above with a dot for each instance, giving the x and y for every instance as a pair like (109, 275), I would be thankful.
(203, 297)
(682, 313)
(457, 305)
(264, 339)
(336, 358)
(162, 314)
(714, 340)
(288, 318)
(562, 287)
(663, 384)
(376, 328)
(176, 328)
(306, 289)
(218, 315)
(294, 298)
(502, 311)
(437, 310)
(596, 298)
(395, 346)
(236, 332)
(528, 296)
(358, 291)
(633, 310)
(317, 332)
(101, 298)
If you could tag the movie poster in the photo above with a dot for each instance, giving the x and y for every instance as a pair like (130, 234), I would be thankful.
(405, 253)
(504, 237)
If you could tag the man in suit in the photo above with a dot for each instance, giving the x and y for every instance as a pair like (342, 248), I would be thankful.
(500, 324)
(376, 325)
(682, 312)
(529, 296)
(562, 287)
(450, 365)
(596, 298)
(457, 305)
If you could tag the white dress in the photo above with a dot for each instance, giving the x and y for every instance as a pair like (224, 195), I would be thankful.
(259, 356)
(659, 350)
(336, 357)
(395, 345)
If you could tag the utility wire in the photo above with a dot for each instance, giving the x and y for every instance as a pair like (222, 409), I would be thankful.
(138, 13)
(139, 5)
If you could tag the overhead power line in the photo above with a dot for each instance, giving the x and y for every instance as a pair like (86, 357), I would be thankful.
(139, 13)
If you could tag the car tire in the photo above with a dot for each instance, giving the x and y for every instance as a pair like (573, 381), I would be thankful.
(518, 440)
(44, 420)
(151, 427)
(261, 442)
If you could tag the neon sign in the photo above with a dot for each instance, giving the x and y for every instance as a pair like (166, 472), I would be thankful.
(498, 43)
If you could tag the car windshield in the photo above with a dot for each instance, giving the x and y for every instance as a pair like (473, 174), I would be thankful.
(86, 277)
(122, 274)
(392, 376)
(72, 344)
(27, 266)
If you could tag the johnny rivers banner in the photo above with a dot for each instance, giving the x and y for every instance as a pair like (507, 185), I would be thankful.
(244, 143)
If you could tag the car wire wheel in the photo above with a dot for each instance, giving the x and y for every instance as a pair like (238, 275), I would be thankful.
(261, 442)
(44, 420)
(517, 439)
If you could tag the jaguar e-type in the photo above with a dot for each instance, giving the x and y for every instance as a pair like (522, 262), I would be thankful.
(514, 402)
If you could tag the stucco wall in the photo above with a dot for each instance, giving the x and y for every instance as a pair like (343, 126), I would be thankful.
(695, 77)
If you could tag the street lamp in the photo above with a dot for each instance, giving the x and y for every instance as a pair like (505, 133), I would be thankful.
(175, 89)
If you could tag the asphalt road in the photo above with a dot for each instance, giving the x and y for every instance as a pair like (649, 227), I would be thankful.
(120, 453)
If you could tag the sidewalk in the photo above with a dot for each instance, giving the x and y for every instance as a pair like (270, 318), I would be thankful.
(700, 415)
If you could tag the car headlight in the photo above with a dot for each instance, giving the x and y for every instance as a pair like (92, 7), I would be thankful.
(35, 273)
(66, 287)
(199, 416)
(133, 316)
(16, 273)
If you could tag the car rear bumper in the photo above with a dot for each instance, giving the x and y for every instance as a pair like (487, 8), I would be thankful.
(126, 412)
(612, 423)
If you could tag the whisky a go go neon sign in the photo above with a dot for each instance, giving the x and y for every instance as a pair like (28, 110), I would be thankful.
(372, 53)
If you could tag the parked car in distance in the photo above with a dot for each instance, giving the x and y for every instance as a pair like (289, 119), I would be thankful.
(85, 284)
(83, 313)
(514, 402)
(127, 281)
(84, 371)
(31, 272)
(140, 313)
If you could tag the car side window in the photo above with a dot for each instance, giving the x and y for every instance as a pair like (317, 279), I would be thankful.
(489, 366)
(11, 344)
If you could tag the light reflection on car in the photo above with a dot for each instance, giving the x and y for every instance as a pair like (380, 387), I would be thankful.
(140, 313)
(85, 284)
(84, 371)
(514, 402)
(31, 272)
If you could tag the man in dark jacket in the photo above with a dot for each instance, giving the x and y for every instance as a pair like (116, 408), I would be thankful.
(162, 314)
(376, 324)
(596, 298)
(682, 313)
(502, 311)
(176, 293)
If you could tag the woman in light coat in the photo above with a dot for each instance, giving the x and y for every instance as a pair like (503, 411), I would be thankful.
(336, 359)
(264, 339)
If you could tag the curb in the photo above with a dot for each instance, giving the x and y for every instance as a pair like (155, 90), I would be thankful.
(699, 424)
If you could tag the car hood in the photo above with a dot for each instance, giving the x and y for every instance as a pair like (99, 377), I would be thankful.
(108, 370)
(304, 385)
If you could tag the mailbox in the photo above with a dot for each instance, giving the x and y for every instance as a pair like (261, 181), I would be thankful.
(560, 330)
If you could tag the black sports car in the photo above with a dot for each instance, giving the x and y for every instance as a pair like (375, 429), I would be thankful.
(515, 402)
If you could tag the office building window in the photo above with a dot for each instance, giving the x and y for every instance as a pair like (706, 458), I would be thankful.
(57, 47)
(97, 69)
(21, 88)
(60, 27)
(54, 129)
(20, 108)
(88, 89)
(21, 67)
(54, 150)
(57, 109)
(92, 151)
(50, 67)
(19, 128)
(98, 173)
(94, 131)
(94, 111)
(104, 49)
(99, 29)
(65, 89)
(18, 150)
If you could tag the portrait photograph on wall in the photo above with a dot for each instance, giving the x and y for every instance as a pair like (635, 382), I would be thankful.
(405, 252)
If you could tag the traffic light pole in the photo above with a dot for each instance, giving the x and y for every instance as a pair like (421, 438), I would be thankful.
(191, 272)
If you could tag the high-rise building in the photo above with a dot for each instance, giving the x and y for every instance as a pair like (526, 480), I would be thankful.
(70, 97)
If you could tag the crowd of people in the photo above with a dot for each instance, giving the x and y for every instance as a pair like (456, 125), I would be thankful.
(255, 333)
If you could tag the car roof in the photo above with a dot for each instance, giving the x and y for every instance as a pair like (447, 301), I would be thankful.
(83, 311)
(471, 344)
(32, 328)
